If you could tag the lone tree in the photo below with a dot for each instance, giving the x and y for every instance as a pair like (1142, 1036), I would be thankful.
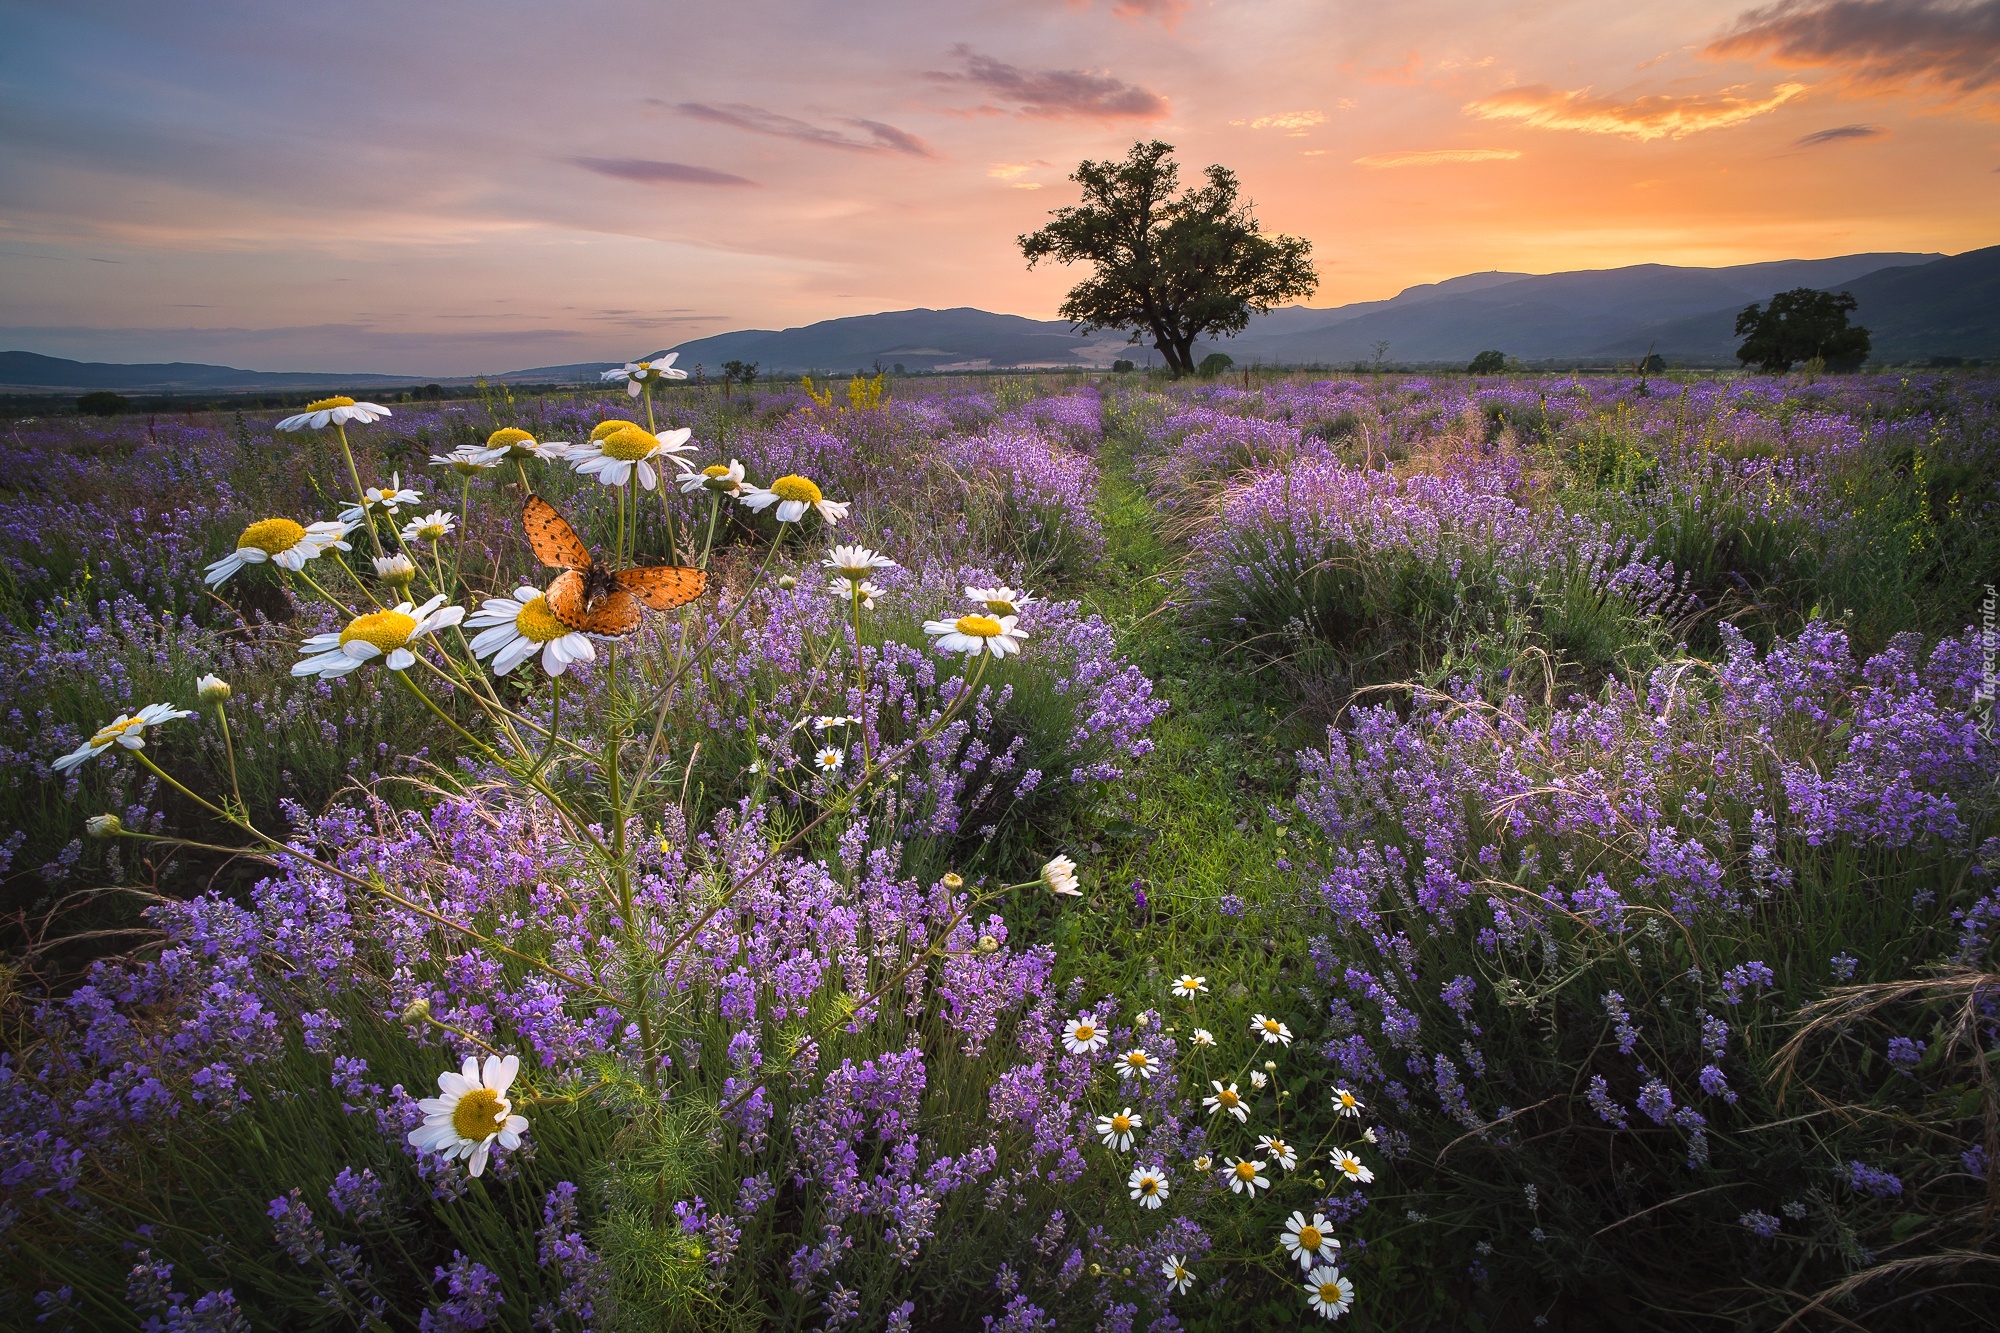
(1177, 266)
(1801, 325)
(1488, 362)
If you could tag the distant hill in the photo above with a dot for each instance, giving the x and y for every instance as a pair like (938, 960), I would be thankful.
(956, 339)
(28, 370)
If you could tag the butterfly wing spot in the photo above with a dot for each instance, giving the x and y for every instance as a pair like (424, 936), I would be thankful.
(663, 587)
(553, 540)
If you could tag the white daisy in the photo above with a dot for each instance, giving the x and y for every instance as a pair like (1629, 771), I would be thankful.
(1060, 876)
(1148, 1185)
(829, 760)
(976, 634)
(1257, 1078)
(1203, 1037)
(794, 496)
(1270, 1029)
(1084, 1036)
(856, 563)
(1000, 601)
(432, 527)
(398, 570)
(282, 542)
(384, 634)
(512, 629)
(1350, 1166)
(212, 689)
(842, 589)
(638, 374)
(1179, 1279)
(826, 720)
(127, 729)
(1203, 1162)
(333, 411)
(715, 477)
(381, 499)
(1116, 1130)
(1346, 1103)
(1244, 1175)
(1279, 1151)
(512, 442)
(472, 1113)
(1369, 1135)
(617, 457)
(1190, 986)
(1227, 1100)
(1328, 1292)
(1308, 1242)
(469, 460)
(1135, 1063)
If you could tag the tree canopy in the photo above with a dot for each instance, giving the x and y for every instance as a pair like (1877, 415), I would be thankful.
(1170, 264)
(1801, 325)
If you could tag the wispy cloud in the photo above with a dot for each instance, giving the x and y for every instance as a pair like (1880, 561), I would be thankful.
(875, 137)
(1944, 46)
(1659, 116)
(1839, 134)
(1294, 123)
(1168, 12)
(1054, 94)
(648, 172)
(1437, 157)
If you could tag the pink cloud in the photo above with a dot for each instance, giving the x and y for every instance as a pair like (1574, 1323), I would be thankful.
(879, 137)
(1055, 94)
(1878, 45)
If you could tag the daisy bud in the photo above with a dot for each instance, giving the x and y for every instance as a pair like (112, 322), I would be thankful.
(1271, 1066)
(417, 1010)
(1097, 1270)
(987, 944)
(212, 689)
(787, 582)
(1140, 1022)
(1319, 1182)
(395, 570)
(104, 826)
(953, 880)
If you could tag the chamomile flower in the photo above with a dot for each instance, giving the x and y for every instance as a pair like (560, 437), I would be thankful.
(282, 542)
(638, 374)
(127, 730)
(1270, 1029)
(432, 527)
(616, 458)
(1279, 1151)
(1116, 1130)
(513, 629)
(1228, 1101)
(212, 689)
(381, 500)
(1135, 1063)
(826, 720)
(473, 1112)
(1346, 1104)
(1350, 1166)
(715, 478)
(1179, 1279)
(512, 442)
(1084, 1036)
(384, 634)
(1203, 1037)
(794, 495)
(1001, 601)
(976, 634)
(1258, 1079)
(845, 591)
(856, 563)
(1060, 876)
(1245, 1176)
(1329, 1293)
(337, 410)
(398, 570)
(1148, 1185)
(829, 760)
(1189, 986)
(469, 460)
(1203, 1162)
(1308, 1242)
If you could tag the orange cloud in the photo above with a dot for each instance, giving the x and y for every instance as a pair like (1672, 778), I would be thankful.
(1293, 123)
(1660, 116)
(1434, 157)
(1879, 46)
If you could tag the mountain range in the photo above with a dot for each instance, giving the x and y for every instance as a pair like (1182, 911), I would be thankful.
(1915, 305)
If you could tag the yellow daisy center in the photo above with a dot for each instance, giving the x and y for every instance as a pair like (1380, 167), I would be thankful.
(1308, 1238)
(1246, 1171)
(1271, 1026)
(715, 472)
(387, 630)
(608, 428)
(338, 400)
(272, 536)
(796, 488)
(478, 1114)
(1330, 1292)
(1149, 1185)
(1120, 1123)
(112, 732)
(1085, 1032)
(979, 627)
(539, 623)
(1136, 1059)
(509, 437)
(631, 445)
(1228, 1097)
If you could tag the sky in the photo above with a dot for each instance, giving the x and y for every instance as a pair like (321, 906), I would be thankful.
(453, 188)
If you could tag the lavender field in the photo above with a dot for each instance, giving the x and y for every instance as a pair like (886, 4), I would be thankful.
(1048, 852)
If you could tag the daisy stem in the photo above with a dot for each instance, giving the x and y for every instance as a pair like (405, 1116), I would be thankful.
(667, 508)
(555, 716)
(464, 509)
(476, 1041)
(861, 677)
(229, 748)
(328, 597)
(450, 721)
(360, 492)
(621, 872)
(714, 508)
(522, 468)
(618, 551)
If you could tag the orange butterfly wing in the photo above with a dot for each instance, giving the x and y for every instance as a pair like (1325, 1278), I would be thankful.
(615, 615)
(554, 541)
(663, 587)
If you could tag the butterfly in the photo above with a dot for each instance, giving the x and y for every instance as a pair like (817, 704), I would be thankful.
(591, 598)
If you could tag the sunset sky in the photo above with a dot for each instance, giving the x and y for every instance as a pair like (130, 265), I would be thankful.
(454, 187)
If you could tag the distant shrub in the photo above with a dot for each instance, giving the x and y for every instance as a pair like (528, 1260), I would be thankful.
(1214, 364)
(1487, 363)
(102, 404)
